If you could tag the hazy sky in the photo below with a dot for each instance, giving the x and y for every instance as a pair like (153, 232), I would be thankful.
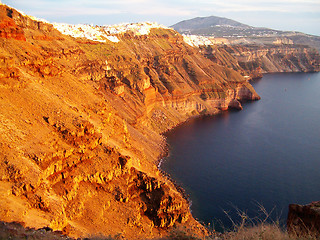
(299, 15)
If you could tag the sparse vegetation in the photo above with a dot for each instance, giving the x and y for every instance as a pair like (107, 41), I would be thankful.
(262, 228)
(263, 231)
(247, 229)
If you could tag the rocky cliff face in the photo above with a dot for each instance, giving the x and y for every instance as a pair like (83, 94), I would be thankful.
(275, 58)
(254, 60)
(80, 125)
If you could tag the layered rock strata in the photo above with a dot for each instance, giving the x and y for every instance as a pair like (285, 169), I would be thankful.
(81, 124)
(255, 60)
(260, 59)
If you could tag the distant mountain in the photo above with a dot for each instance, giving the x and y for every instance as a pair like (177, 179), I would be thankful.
(222, 27)
(206, 24)
(237, 32)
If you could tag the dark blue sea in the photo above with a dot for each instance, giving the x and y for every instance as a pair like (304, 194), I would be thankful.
(267, 154)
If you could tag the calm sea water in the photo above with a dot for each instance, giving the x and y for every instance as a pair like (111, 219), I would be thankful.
(268, 153)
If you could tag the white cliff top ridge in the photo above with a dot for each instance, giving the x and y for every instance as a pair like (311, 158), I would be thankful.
(99, 33)
(106, 32)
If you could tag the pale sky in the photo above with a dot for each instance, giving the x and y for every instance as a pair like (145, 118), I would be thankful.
(297, 15)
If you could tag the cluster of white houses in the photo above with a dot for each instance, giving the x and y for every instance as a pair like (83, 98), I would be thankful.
(107, 32)
(196, 40)
(110, 32)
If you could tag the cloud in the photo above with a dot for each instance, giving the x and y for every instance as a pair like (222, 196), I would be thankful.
(108, 2)
(111, 7)
(235, 7)
(78, 11)
(262, 5)
(162, 7)
(166, 12)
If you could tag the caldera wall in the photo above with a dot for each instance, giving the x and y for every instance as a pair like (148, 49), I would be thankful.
(81, 123)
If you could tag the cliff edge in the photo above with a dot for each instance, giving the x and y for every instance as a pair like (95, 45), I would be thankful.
(255, 60)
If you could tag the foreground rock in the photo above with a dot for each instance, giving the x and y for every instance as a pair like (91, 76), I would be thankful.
(304, 220)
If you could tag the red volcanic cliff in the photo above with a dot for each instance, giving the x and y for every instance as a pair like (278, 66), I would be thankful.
(80, 125)
(8, 27)
(254, 60)
(276, 58)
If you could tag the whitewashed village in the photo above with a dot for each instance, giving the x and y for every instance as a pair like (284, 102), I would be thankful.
(111, 32)
(106, 32)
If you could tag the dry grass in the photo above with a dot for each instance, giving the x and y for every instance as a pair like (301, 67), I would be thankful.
(261, 232)
(262, 228)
